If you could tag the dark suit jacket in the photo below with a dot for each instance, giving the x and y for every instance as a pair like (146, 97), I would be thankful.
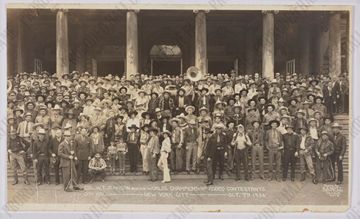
(83, 148)
(339, 144)
(64, 153)
(211, 148)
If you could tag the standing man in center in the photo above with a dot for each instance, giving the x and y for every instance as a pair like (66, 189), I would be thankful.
(191, 135)
(274, 144)
(83, 145)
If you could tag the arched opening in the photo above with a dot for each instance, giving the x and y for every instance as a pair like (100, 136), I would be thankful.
(166, 59)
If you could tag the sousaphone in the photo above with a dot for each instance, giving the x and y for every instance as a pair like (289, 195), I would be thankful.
(193, 73)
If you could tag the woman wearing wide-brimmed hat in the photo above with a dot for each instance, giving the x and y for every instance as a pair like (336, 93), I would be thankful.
(323, 150)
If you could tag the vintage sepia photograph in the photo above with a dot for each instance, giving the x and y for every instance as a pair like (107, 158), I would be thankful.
(225, 108)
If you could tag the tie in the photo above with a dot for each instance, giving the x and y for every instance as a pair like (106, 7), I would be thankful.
(218, 138)
(274, 134)
(27, 127)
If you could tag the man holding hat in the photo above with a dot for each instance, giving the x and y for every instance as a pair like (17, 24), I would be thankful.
(83, 146)
(339, 152)
(133, 141)
(41, 156)
(257, 136)
(176, 155)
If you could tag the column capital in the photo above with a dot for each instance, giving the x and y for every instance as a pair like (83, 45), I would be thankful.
(197, 11)
(270, 12)
(134, 10)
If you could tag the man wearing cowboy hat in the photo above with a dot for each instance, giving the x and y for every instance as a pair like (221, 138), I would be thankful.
(190, 110)
(304, 152)
(274, 143)
(17, 152)
(291, 142)
(41, 156)
(68, 157)
(54, 143)
(271, 114)
(190, 138)
(339, 152)
(257, 136)
(215, 154)
(132, 141)
(25, 128)
(97, 167)
(176, 156)
(241, 141)
(83, 146)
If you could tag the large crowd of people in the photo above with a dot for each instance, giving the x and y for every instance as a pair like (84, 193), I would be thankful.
(83, 127)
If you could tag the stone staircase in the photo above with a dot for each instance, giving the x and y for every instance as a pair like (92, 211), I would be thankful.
(342, 119)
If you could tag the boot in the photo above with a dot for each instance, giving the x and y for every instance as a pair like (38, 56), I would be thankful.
(302, 177)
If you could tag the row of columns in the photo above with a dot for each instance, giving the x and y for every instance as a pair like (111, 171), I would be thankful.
(132, 48)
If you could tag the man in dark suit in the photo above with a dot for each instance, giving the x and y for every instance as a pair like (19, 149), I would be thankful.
(215, 153)
(339, 152)
(54, 146)
(83, 149)
(67, 162)
(291, 141)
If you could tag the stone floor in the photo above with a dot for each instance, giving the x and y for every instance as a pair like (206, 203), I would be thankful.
(184, 189)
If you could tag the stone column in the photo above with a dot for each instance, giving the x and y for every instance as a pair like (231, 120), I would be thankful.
(334, 44)
(62, 43)
(268, 45)
(80, 51)
(20, 47)
(250, 51)
(200, 41)
(132, 50)
(305, 47)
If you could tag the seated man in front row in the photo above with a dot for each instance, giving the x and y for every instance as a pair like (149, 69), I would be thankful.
(97, 166)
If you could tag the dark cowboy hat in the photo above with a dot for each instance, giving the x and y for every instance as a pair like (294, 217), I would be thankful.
(318, 97)
(133, 112)
(262, 97)
(289, 126)
(145, 126)
(83, 92)
(251, 108)
(119, 117)
(293, 99)
(309, 95)
(272, 105)
(204, 88)
(133, 126)
(314, 80)
(153, 130)
(242, 90)
(231, 98)
(121, 88)
(143, 115)
(155, 93)
(18, 109)
(250, 101)
(329, 118)
(231, 121)
(94, 127)
(274, 121)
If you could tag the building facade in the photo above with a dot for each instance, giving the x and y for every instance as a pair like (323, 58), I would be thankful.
(125, 42)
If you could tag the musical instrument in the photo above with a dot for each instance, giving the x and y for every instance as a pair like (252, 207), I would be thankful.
(194, 74)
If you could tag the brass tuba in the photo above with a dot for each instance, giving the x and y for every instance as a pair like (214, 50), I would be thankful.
(193, 73)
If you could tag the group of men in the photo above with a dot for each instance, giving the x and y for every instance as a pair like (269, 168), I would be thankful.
(79, 124)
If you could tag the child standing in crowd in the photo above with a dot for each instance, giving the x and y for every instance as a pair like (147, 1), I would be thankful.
(122, 150)
(112, 156)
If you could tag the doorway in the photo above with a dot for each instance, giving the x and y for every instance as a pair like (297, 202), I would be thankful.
(166, 59)
(110, 67)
